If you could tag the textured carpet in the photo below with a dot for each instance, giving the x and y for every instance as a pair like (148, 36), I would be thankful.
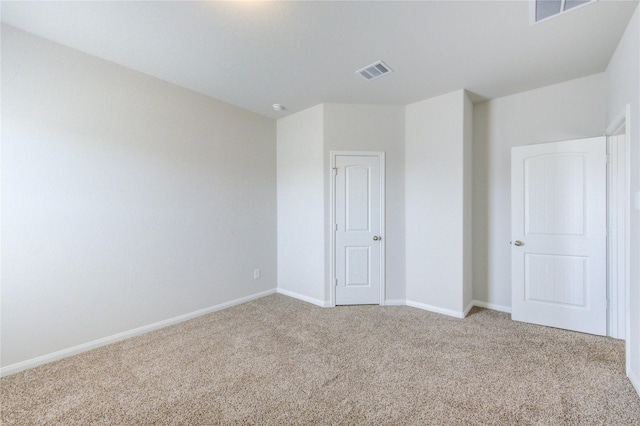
(278, 361)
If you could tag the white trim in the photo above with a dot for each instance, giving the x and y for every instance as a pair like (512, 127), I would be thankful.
(617, 202)
(635, 381)
(435, 309)
(312, 300)
(627, 243)
(478, 303)
(332, 228)
(55, 356)
(492, 306)
(623, 122)
(332, 222)
(618, 124)
(383, 230)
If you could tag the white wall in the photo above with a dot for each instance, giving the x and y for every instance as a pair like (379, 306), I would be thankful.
(373, 128)
(301, 209)
(435, 203)
(125, 200)
(623, 87)
(570, 110)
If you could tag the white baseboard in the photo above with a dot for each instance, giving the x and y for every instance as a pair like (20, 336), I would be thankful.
(437, 310)
(468, 308)
(452, 313)
(313, 300)
(492, 306)
(635, 380)
(44, 359)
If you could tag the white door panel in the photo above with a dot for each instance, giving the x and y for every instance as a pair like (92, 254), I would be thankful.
(358, 202)
(558, 195)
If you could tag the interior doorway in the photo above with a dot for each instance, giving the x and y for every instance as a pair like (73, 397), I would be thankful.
(357, 228)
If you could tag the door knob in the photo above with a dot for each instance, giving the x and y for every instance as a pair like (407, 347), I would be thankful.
(376, 238)
(518, 243)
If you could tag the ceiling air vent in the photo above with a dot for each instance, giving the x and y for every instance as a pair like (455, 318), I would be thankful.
(544, 9)
(375, 70)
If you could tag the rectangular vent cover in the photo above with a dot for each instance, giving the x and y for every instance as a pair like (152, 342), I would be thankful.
(545, 9)
(375, 70)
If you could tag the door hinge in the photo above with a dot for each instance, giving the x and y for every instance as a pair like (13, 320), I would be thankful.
(336, 226)
(335, 171)
(336, 282)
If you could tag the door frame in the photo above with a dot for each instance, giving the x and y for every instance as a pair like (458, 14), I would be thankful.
(332, 221)
(620, 258)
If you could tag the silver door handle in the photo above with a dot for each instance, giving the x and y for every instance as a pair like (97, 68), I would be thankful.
(518, 243)
(376, 238)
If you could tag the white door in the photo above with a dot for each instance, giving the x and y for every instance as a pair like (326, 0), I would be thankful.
(559, 234)
(358, 229)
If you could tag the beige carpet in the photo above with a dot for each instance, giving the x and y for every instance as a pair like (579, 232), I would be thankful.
(278, 361)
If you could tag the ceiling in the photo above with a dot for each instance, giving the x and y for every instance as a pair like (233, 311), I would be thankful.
(302, 53)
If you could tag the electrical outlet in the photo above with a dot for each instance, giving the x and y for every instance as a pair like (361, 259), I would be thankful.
(256, 274)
